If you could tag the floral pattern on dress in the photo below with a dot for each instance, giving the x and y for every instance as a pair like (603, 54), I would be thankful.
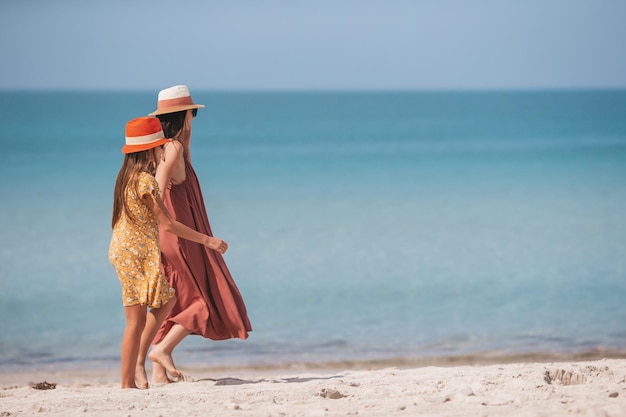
(135, 252)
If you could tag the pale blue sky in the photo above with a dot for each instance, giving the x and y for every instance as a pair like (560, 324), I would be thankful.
(312, 45)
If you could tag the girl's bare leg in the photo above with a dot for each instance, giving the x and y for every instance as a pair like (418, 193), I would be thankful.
(135, 323)
(161, 355)
(153, 322)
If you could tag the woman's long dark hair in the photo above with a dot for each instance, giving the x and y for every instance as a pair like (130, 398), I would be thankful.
(134, 164)
(172, 123)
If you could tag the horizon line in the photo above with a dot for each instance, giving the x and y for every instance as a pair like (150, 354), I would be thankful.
(318, 90)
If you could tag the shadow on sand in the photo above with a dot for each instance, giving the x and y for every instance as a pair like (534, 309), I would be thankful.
(238, 381)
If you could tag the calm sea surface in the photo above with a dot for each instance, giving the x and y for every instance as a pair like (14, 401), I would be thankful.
(362, 226)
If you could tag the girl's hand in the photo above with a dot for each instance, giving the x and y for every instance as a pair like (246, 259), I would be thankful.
(216, 244)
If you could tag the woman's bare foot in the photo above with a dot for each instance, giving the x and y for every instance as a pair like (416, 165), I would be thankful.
(163, 359)
(141, 378)
(159, 375)
(161, 380)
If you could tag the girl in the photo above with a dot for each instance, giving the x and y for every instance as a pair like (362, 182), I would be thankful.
(135, 248)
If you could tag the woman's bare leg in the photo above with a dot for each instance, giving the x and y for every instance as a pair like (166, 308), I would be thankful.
(161, 355)
(135, 323)
(153, 322)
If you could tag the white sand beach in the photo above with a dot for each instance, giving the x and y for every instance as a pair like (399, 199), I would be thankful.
(585, 388)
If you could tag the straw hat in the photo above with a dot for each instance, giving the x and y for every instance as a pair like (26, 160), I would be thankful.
(143, 133)
(173, 99)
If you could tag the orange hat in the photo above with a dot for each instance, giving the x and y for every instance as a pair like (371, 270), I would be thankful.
(143, 133)
(174, 99)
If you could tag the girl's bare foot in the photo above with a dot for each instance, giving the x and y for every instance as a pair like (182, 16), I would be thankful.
(141, 378)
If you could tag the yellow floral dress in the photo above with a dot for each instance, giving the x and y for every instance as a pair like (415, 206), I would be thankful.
(135, 252)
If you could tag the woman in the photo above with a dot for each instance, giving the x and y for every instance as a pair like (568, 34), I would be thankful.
(134, 250)
(208, 301)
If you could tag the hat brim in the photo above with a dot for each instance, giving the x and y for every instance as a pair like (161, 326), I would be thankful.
(144, 147)
(175, 109)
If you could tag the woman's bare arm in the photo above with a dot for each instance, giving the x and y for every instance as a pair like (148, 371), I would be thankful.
(171, 167)
(172, 226)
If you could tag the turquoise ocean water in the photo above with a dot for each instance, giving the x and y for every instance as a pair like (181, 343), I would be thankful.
(362, 226)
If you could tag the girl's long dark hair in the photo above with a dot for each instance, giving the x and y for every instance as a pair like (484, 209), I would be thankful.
(172, 123)
(133, 165)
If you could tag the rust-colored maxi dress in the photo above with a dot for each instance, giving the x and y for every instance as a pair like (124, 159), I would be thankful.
(208, 300)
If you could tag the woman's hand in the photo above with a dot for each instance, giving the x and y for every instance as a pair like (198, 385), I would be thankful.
(172, 226)
(216, 244)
